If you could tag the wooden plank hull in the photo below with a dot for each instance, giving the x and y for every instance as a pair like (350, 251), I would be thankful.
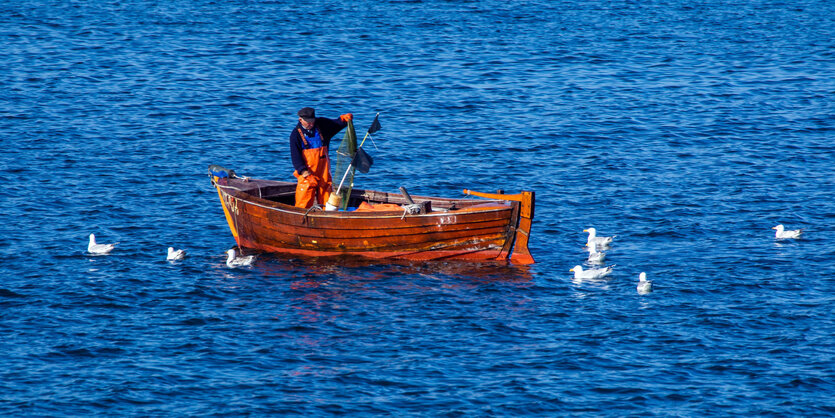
(454, 229)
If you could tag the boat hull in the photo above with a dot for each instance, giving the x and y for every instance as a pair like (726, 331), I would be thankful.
(468, 230)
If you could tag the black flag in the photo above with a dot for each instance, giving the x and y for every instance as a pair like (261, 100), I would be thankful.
(375, 126)
(362, 161)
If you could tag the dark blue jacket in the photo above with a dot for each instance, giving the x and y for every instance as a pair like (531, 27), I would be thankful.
(327, 129)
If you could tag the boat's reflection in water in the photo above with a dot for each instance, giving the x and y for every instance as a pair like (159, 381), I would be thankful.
(341, 275)
(312, 272)
(321, 303)
(319, 283)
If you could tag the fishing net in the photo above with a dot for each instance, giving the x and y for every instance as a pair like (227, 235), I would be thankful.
(344, 173)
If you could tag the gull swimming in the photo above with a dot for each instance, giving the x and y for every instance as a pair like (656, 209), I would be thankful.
(175, 255)
(234, 261)
(644, 285)
(603, 242)
(594, 255)
(94, 248)
(594, 273)
(783, 233)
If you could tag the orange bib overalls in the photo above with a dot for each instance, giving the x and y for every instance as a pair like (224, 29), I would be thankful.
(319, 165)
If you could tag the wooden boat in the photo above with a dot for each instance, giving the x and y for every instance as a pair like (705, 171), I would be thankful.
(262, 217)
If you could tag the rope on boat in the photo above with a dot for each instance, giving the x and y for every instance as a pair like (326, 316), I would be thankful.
(314, 208)
(412, 209)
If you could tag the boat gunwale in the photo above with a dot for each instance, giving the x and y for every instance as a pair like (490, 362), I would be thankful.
(279, 207)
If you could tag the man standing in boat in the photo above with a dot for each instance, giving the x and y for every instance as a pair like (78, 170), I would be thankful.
(309, 143)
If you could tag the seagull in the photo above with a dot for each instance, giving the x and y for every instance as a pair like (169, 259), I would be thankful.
(174, 255)
(94, 248)
(603, 242)
(594, 255)
(234, 261)
(592, 273)
(644, 285)
(782, 233)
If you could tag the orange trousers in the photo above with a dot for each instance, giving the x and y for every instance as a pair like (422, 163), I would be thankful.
(310, 191)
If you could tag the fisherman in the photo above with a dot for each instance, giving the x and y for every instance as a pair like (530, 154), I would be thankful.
(309, 143)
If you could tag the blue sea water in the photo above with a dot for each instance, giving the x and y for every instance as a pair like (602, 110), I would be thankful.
(687, 129)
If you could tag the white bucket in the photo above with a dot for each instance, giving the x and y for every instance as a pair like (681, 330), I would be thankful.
(333, 203)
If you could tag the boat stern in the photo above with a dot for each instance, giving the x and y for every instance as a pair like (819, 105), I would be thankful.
(520, 253)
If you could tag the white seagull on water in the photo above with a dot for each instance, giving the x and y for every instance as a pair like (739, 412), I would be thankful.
(782, 233)
(594, 255)
(579, 273)
(175, 255)
(603, 242)
(94, 248)
(234, 261)
(644, 285)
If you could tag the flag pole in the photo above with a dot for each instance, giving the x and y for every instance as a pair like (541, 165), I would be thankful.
(368, 131)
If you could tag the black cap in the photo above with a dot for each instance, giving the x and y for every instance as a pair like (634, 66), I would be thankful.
(307, 113)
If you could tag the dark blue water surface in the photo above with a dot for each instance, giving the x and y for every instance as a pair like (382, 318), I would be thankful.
(687, 129)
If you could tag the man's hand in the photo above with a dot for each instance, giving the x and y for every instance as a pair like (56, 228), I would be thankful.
(312, 180)
(346, 117)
